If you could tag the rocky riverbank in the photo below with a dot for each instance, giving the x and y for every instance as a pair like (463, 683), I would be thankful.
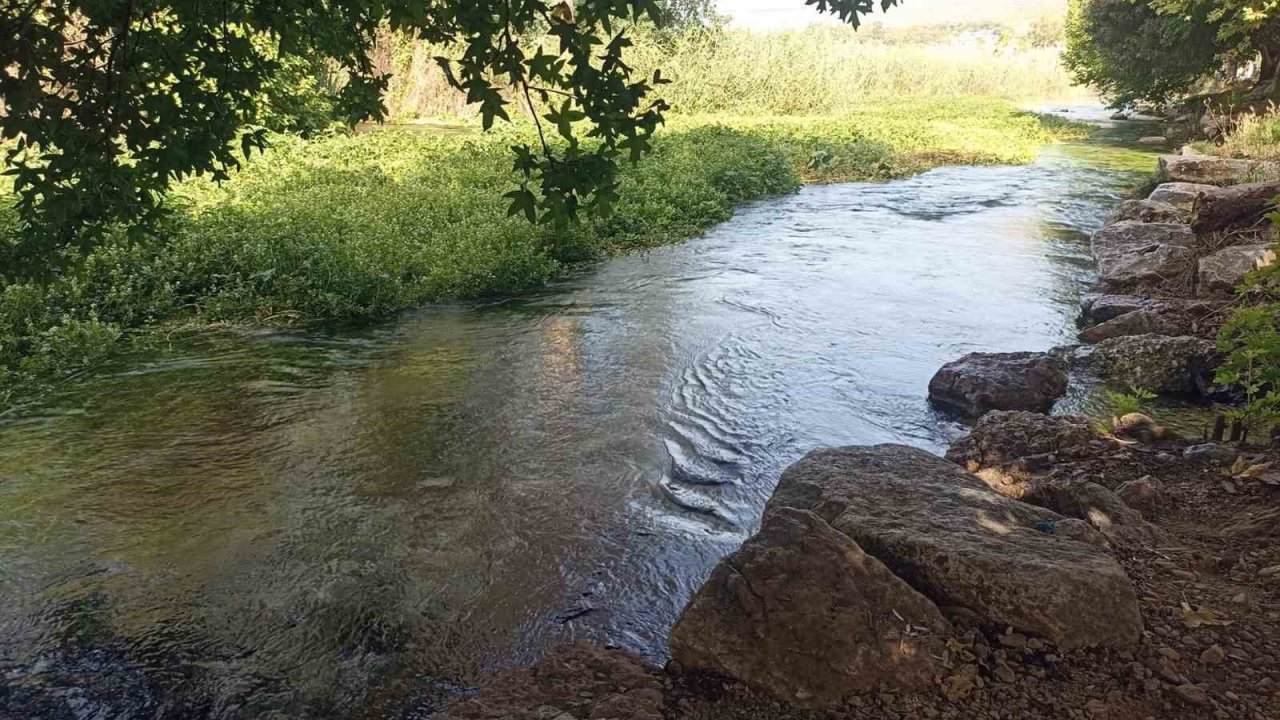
(1041, 569)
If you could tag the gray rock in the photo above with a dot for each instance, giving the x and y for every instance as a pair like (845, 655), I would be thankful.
(1094, 504)
(1002, 439)
(1148, 211)
(1221, 272)
(1180, 195)
(1147, 267)
(1160, 364)
(1211, 452)
(1135, 253)
(1153, 140)
(1100, 307)
(1144, 494)
(1210, 170)
(801, 612)
(980, 382)
(1138, 322)
(949, 536)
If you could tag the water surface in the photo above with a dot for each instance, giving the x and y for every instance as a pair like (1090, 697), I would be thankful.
(353, 523)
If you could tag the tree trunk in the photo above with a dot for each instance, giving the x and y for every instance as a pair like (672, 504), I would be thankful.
(1269, 77)
(1235, 205)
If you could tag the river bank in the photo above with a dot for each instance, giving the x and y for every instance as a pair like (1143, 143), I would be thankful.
(1129, 574)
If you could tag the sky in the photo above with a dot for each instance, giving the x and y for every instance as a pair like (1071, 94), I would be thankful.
(778, 14)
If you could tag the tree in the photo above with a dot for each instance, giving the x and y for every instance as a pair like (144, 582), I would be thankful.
(1246, 29)
(107, 102)
(1133, 53)
(1153, 50)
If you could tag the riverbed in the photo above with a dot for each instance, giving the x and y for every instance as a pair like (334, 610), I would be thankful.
(356, 522)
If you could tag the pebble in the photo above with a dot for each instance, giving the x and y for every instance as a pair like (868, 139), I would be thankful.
(1192, 694)
(1213, 655)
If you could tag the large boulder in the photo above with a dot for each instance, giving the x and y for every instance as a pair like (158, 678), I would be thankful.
(1208, 170)
(1134, 253)
(1221, 272)
(962, 545)
(801, 612)
(1161, 364)
(980, 382)
(1180, 195)
(1148, 211)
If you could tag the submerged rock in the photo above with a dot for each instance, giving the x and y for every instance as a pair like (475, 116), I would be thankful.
(962, 545)
(1210, 170)
(980, 382)
(1169, 365)
(1221, 272)
(801, 612)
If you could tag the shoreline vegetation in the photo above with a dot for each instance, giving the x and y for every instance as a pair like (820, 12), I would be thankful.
(359, 226)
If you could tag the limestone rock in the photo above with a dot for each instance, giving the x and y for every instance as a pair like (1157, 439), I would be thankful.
(1221, 272)
(1181, 195)
(1148, 211)
(1210, 170)
(1134, 253)
(962, 545)
(1144, 494)
(801, 612)
(1160, 364)
(980, 382)
(1004, 438)
(1094, 504)
(1211, 452)
(1138, 322)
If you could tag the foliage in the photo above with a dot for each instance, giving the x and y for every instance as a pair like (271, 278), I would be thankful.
(1250, 341)
(1118, 404)
(360, 226)
(1251, 135)
(834, 70)
(1133, 53)
(106, 102)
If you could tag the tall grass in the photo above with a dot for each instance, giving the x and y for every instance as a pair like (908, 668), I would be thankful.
(832, 70)
(1252, 135)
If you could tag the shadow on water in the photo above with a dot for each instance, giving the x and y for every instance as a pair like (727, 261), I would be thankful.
(353, 521)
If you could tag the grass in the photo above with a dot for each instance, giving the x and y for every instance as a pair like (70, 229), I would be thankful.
(834, 70)
(364, 225)
(1254, 136)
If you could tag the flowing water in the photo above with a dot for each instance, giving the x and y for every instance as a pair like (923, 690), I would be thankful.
(354, 523)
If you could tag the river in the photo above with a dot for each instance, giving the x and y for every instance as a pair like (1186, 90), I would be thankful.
(355, 522)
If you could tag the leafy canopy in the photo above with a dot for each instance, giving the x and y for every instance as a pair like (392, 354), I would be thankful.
(1153, 50)
(107, 102)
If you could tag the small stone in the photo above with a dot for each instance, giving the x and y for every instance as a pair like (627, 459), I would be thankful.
(1169, 653)
(1004, 673)
(1014, 640)
(1193, 694)
(1096, 708)
(1213, 655)
(1211, 452)
(1268, 572)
